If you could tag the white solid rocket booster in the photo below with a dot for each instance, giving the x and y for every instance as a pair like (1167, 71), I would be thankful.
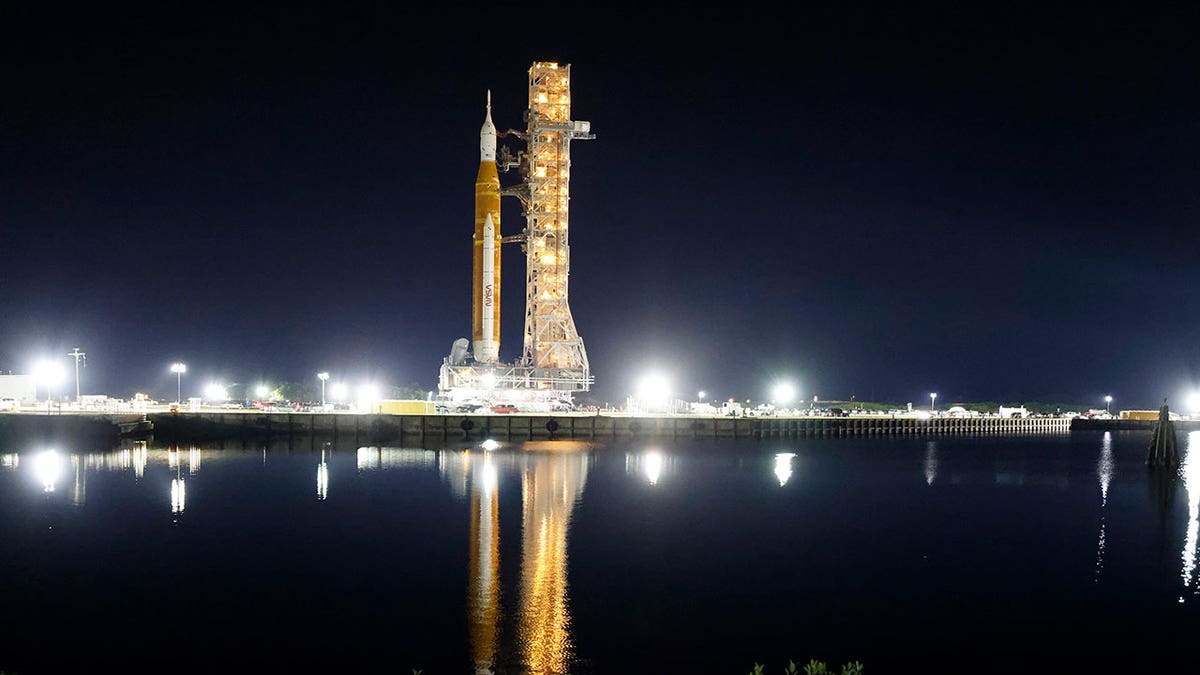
(488, 349)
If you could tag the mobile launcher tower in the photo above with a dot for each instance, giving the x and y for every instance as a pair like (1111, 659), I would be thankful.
(553, 364)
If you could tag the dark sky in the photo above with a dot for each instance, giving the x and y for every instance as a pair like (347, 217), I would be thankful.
(985, 203)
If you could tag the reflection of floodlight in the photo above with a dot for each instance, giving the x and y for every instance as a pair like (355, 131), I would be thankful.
(652, 465)
(178, 495)
(47, 466)
(487, 380)
(339, 391)
(215, 392)
(783, 467)
(489, 476)
(784, 393)
(489, 444)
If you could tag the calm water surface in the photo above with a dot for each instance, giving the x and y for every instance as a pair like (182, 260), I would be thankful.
(555, 557)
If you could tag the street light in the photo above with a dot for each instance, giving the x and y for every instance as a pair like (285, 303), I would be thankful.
(784, 393)
(701, 395)
(322, 377)
(932, 399)
(1107, 400)
(78, 355)
(179, 369)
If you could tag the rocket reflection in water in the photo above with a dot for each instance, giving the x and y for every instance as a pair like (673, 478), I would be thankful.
(483, 582)
(551, 483)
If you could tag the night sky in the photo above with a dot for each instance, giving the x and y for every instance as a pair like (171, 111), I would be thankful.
(990, 204)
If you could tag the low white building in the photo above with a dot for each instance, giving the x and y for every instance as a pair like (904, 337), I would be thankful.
(20, 387)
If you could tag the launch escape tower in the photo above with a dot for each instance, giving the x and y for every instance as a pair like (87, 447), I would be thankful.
(553, 363)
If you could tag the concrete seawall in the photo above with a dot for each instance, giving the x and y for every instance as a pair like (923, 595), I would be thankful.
(88, 428)
(373, 429)
(369, 429)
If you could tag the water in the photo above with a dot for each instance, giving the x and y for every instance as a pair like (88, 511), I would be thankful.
(946, 554)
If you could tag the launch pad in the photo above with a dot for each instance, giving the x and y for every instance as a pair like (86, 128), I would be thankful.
(553, 364)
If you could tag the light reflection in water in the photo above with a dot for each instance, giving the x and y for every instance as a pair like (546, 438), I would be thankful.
(783, 467)
(553, 474)
(1104, 471)
(322, 479)
(931, 462)
(395, 458)
(47, 466)
(453, 467)
(79, 488)
(178, 495)
(141, 455)
(550, 485)
(650, 463)
(193, 460)
(1191, 483)
(483, 581)
(172, 457)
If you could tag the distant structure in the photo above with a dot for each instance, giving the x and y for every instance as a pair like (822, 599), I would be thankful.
(553, 363)
(1163, 449)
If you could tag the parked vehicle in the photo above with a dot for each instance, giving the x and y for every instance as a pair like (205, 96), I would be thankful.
(9, 403)
(504, 408)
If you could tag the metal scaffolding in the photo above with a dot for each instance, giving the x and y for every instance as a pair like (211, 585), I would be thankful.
(552, 345)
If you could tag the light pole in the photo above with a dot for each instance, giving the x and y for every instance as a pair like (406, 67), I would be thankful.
(179, 369)
(932, 399)
(322, 377)
(701, 395)
(1107, 401)
(78, 355)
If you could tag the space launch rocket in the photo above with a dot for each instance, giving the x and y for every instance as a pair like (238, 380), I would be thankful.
(485, 305)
